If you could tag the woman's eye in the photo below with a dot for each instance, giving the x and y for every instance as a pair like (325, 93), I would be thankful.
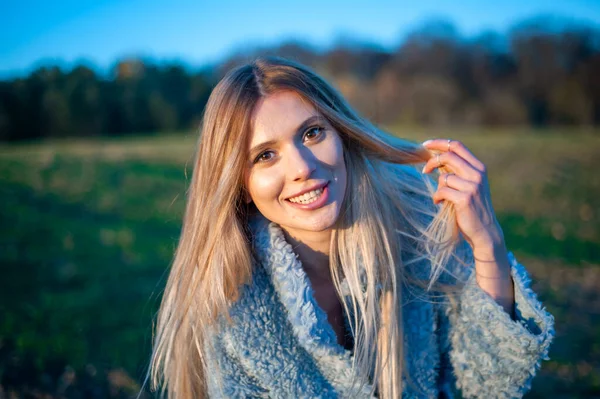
(264, 157)
(313, 132)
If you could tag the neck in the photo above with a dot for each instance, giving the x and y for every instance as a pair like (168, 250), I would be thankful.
(312, 249)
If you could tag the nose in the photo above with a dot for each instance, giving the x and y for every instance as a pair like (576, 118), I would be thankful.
(301, 163)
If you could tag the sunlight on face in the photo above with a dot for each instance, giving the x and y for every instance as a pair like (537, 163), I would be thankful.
(296, 174)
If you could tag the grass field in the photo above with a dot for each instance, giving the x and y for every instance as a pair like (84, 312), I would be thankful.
(89, 229)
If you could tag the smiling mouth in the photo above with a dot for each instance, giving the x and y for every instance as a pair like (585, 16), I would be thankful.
(307, 198)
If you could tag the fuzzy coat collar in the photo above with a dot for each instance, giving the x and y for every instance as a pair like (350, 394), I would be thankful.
(311, 327)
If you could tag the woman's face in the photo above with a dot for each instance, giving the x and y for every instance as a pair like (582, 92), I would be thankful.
(296, 174)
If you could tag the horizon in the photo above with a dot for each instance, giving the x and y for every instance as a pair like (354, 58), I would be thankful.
(98, 35)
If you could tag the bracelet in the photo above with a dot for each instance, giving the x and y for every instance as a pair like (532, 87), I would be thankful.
(492, 278)
(484, 261)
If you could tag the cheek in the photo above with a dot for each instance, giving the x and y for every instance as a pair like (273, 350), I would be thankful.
(264, 186)
(339, 167)
(332, 155)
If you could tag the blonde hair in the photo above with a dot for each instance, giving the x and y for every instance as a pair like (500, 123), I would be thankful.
(387, 223)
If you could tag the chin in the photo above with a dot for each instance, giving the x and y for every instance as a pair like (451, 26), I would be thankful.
(317, 227)
(313, 221)
(320, 223)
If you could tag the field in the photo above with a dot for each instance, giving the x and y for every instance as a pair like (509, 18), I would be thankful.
(89, 229)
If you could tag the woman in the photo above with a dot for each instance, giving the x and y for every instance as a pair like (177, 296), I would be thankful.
(316, 260)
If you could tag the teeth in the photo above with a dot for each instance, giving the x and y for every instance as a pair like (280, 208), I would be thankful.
(307, 198)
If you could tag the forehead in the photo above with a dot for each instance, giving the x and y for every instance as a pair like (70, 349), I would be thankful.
(279, 114)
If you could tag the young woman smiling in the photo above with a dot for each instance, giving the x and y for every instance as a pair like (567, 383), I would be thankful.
(316, 259)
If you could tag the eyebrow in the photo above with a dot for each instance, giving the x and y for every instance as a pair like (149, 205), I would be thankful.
(303, 126)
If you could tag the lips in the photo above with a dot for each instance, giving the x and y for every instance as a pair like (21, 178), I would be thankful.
(313, 203)
(308, 190)
(308, 197)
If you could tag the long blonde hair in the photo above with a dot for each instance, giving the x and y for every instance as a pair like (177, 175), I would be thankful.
(387, 223)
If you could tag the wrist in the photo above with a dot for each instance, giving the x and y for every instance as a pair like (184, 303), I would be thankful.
(493, 252)
(490, 246)
(491, 261)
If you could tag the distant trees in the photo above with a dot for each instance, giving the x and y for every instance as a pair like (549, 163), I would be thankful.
(544, 72)
(537, 75)
(139, 97)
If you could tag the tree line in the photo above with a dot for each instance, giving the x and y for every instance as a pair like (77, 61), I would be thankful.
(541, 73)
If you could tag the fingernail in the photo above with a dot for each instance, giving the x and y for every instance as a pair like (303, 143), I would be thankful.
(426, 142)
(423, 171)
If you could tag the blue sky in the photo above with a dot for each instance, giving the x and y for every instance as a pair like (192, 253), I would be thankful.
(198, 32)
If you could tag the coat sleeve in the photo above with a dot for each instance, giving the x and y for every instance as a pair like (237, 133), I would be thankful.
(484, 352)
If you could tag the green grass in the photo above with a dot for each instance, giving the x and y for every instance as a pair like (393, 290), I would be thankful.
(89, 229)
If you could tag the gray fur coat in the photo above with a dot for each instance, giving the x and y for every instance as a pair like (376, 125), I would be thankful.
(280, 344)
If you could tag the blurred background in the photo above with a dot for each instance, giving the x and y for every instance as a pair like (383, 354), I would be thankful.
(99, 108)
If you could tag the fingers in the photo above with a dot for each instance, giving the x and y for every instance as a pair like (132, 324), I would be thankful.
(455, 189)
(460, 192)
(450, 194)
(458, 148)
(456, 182)
(457, 164)
(469, 178)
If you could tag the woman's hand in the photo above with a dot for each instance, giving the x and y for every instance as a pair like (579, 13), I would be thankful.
(466, 186)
